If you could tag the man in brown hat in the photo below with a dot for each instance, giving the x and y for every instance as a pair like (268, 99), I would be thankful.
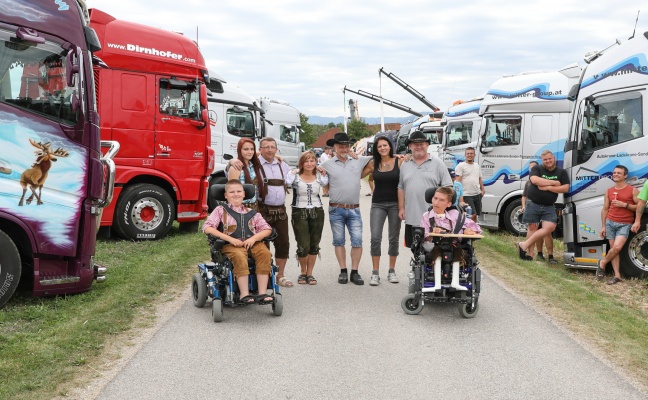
(344, 174)
(421, 172)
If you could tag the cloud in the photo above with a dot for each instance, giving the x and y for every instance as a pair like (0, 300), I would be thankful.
(305, 52)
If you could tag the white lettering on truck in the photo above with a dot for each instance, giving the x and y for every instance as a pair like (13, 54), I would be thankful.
(152, 51)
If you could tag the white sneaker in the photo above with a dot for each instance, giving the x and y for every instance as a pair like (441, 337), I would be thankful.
(375, 280)
(391, 277)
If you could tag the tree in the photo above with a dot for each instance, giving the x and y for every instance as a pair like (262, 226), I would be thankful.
(358, 129)
(308, 135)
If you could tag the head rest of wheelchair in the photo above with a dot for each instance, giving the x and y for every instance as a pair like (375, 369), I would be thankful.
(217, 191)
(429, 194)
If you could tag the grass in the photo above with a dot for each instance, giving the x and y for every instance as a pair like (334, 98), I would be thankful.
(46, 342)
(613, 319)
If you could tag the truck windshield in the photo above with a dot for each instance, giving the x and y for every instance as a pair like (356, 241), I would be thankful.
(610, 120)
(240, 123)
(433, 136)
(502, 131)
(458, 134)
(32, 77)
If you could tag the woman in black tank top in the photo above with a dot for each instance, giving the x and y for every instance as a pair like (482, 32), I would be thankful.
(384, 205)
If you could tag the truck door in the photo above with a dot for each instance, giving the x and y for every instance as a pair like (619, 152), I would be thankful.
(131, 117)
(609, 133)
(180, 140)
(500, 158)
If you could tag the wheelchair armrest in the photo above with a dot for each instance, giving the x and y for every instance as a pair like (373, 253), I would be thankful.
(215, 243)
(272, 236)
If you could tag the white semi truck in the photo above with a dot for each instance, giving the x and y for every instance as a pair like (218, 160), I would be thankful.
(519, 117)
(235, 114)
(610, 107)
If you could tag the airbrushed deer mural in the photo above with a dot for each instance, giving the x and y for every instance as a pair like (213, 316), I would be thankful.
(35, 176)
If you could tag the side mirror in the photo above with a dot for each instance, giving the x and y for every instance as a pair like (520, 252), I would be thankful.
(203, 95)
(227, 157)
(71, 65)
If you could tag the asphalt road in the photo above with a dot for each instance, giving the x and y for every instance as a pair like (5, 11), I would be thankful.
(347, 341)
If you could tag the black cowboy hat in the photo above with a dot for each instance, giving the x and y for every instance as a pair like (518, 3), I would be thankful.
(416, 137)
(339, 138)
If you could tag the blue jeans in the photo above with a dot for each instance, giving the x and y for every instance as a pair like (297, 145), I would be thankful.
(350, 218)
(614, 229)
(380, 212)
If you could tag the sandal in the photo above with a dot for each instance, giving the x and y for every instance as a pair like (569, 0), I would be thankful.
(613, 281)
(249, 299)
(600, 272)
(311, 280)
(285, 282)
(264, 299)
(302, 279)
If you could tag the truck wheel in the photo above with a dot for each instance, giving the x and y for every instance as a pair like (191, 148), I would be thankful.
(144, 211)
(211, 203)
(634, 255)
(10, 268)
(513, 218)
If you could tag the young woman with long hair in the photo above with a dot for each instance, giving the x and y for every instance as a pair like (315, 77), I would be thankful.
(247, 154)
(384, 205)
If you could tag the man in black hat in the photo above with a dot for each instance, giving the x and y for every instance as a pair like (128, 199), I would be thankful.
(421, 172)
(344, 174)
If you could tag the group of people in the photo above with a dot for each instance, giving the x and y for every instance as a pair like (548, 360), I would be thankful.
(400, 185)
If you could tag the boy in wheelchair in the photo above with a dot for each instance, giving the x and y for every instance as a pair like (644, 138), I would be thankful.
(443, 218)
(243, 229)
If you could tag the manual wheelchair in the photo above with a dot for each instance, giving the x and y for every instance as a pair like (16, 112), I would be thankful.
(215, 279)
(446, 274)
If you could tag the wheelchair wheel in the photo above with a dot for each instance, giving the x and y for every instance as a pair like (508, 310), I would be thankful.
(277, 305)
(199, 290)
(409, 306)
(217, 310)
(469, 310)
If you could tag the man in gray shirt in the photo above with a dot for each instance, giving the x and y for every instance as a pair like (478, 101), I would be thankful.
(344, 175)
(421, 172)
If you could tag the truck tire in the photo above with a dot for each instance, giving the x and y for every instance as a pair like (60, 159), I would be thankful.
(513, 218)
(634, 255)
(144, 212)
(10, 268)
(211, 204)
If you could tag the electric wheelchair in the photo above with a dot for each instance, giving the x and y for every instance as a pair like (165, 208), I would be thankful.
(215, 279)
(434, 278)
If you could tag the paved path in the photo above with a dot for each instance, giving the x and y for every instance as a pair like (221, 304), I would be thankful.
(347, 341)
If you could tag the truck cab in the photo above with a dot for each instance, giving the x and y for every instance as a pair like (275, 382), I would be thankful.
(282, 122)
(610, 110)
(54, 182)
(521, 116)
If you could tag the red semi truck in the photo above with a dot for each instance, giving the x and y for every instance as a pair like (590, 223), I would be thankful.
(152, 98)
(52, 175)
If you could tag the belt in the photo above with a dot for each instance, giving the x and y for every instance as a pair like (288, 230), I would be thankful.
(338, 205)
(273, 209)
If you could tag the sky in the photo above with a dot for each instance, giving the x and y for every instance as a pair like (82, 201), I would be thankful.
(305, 52)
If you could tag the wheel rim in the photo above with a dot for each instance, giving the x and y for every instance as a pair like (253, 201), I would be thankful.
(147, 214)
(516, 220)
(638, 251)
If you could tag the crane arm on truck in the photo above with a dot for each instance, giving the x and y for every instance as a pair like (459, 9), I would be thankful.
(409, 89)
(385, 101)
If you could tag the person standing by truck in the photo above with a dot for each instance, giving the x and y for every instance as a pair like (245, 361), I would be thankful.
(548, 240)
(617, 216)
(547, 180)
(344, 174)
(470, 176)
